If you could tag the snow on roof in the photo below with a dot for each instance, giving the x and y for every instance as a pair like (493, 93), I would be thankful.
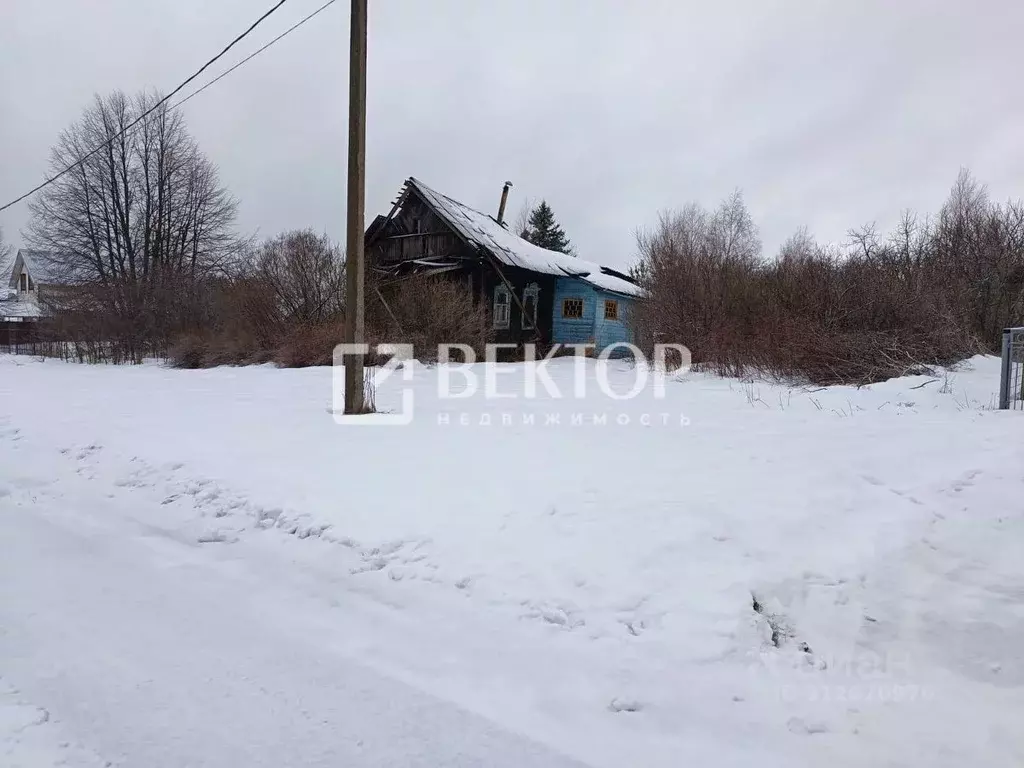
(13, 308)
(609, 282)
(485, 232)
(41, 266)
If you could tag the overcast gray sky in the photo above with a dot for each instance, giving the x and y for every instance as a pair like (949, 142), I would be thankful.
(825, 114)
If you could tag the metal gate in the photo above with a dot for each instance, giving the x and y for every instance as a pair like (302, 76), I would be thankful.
(1011, 382)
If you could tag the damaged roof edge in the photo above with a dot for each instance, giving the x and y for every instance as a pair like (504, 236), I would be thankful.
(483, 231)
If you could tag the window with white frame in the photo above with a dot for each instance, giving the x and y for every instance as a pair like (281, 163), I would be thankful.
(502, 307)
(531, 295)
(24, 282)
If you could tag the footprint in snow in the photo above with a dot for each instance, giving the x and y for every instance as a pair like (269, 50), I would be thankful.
(801, 726)
(216, 537)
(625, 705)
(966, 481)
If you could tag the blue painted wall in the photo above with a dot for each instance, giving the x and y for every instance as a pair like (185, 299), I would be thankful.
(568, 331)
(592, 328)
(608, 332)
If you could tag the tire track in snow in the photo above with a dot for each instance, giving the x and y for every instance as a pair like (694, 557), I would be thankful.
(224, 516)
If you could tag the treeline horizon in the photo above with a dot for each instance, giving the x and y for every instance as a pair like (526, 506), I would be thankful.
(144, 231)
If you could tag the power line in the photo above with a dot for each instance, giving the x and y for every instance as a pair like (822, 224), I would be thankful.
(149, 111)
(256, 53)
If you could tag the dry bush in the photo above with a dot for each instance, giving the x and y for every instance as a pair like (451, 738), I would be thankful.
(190, 351)
(698, 268)
(815, 314)
(285, 305)
(305, 273)
(429, 311)
(309, 345)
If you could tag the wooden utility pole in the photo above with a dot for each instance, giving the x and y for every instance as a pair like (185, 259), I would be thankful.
(355, 270)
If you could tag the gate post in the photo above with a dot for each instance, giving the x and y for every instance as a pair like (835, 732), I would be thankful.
(1004, 375)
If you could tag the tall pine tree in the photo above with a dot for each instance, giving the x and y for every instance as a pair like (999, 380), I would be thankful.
(544, 231)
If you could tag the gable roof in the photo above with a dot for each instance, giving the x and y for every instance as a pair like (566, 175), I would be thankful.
(13, 306)
(484, 232)
(40, 265)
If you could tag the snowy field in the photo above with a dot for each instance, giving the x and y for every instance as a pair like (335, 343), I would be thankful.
(200, 568)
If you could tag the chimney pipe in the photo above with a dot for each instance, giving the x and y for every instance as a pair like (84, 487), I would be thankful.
(504, 200)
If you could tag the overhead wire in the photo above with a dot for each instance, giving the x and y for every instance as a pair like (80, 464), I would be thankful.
(63, 172)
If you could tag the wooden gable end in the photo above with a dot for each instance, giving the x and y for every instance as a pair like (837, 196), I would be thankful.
(416, 232)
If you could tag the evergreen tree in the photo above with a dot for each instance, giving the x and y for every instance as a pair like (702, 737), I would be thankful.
(544, 230)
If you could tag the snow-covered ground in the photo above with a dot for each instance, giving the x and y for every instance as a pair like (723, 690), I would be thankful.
(201, 568)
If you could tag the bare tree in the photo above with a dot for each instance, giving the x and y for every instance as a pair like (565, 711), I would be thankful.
(695, 266)
(139, 221)
(5, 252)
(306, 274)
(815, 313)
(865, 240)
(734, 234)
(521, 226)
(798, 248)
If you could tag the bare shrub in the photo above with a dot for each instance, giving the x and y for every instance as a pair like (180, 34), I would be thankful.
(697, 267)
(309, 345)
(282, 303)
(426, 312)
(190, 351)
(305, 273)
(816, 314)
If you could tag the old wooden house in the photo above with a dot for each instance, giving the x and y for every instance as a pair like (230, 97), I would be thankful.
(26, 281)
(534, 295)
